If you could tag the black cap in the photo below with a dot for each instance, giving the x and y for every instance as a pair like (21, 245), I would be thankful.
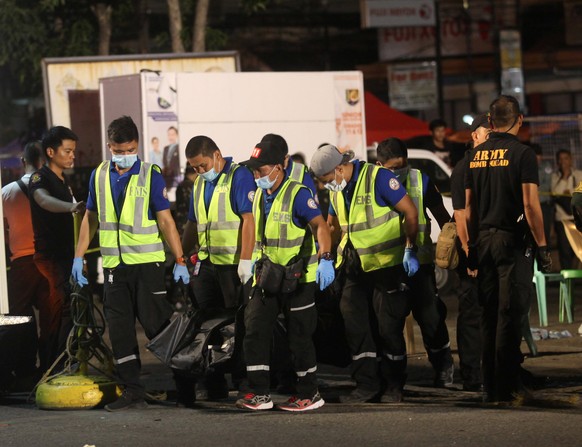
(269, 151)
(480, 121)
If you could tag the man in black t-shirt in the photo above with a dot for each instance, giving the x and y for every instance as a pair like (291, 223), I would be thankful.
(52, 206)
(469, 314)
(501, 186)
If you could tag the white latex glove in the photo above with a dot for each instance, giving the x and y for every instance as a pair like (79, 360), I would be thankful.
(245, 270)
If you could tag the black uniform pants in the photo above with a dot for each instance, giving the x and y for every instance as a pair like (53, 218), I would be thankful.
(469, 340)
(505, 284)
(130, 292)
(55, 310)
(27, 289)
(301, 316)
(374, 308)
(430, 313)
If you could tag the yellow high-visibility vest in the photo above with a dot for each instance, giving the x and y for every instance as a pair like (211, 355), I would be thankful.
(134, 238)
(414, 188)
(284, 240)
(219, 229)
(373, 230)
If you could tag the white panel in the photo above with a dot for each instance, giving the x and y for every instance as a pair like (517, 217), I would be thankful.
(251, 97)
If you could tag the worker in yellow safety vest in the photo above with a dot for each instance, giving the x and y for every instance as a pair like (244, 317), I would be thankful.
(128, 201)
(375, 256)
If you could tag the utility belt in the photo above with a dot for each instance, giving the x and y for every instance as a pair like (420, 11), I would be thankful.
(275, 278)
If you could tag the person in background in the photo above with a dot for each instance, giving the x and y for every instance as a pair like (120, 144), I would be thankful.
(563, 183)
(502, 209)
(156, 154)
(436, 142)
(27, 288)
(52, 206)
(375, 255)
(183, 196)
(427, 308)
(128, 201)
(545, 171)
(171, 168)
(221, 231)
(287, 219)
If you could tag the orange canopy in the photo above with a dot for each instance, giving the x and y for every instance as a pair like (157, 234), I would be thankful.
(382, 121)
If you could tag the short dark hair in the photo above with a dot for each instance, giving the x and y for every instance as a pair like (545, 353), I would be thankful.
(437, 122)
(33, 153)
(391, 148)
(536, 148)
(200, 145)
(504, 111)
(174, 128)
(55, 136)
(122, 130)
(562, 151)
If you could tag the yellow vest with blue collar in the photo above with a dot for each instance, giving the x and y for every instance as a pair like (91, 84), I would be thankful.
(374, 231)
(134, 238)
(219, 229)
(283, 240)
(414, 188)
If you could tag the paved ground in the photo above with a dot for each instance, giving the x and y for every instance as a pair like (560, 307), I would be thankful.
(428, 416)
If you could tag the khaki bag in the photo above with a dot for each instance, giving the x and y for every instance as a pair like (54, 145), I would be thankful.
(446, 255)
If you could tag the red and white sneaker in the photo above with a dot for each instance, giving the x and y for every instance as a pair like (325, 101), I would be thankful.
(255, 402)
(296, 404)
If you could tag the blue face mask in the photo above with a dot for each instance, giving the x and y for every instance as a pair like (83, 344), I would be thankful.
(210, 176)
(401, 174)
(124, 161)
(264, 182)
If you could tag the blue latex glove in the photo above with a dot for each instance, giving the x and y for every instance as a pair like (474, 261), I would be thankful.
(181, 273)
(78, 272)
(410, 262)
(325, 274)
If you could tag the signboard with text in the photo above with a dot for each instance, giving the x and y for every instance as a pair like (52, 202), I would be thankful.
(456, 25)
(387, 13)
(413, 86)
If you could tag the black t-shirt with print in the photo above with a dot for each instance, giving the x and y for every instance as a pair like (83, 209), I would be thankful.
(495, 173)
(53, 232)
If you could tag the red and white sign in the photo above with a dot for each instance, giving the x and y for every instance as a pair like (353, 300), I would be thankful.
(412, 42)
(388, 13)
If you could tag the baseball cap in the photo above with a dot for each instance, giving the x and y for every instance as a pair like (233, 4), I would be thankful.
(480, 121)
(325, 159)
(269, 151)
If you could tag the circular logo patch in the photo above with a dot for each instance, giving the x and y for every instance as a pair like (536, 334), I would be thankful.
(311, 204)
(35, 178)
(251, 196)
(394, 184)
(165, 193)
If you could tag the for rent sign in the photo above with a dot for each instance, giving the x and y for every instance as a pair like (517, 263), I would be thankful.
(388, 13)
(413, 86)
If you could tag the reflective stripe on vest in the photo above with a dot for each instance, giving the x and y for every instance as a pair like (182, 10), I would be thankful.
(219, 228)
(414, 188)
(297, 171)
(284, 240)
(133, 238)
(375, 231)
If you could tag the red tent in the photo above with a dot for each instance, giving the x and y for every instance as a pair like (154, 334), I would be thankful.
(382, 121)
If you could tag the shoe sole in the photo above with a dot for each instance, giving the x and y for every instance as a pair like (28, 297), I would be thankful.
(134, 406)
(265, 406)
(320, 403)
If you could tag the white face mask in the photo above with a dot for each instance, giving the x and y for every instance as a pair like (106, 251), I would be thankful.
(333, 186)
(265, 182)
(211, 175)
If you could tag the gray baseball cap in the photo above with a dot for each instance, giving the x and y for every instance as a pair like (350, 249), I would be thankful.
(325, 159)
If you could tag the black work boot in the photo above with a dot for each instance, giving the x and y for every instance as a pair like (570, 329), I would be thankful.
(127, 401)
(185, 389)
(359, 396)
(394, 390)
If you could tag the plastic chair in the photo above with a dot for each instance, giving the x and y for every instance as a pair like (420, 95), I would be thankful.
(540, 279)
(566, 293)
